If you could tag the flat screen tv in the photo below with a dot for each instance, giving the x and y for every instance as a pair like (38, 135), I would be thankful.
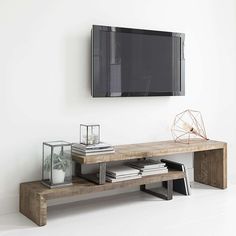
(135, 62)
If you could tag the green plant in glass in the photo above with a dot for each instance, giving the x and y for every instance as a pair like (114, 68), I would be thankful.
(56, 164)
(60, 163)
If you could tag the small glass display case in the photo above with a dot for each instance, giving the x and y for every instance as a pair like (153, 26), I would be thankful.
(56, 164)
(89, 134)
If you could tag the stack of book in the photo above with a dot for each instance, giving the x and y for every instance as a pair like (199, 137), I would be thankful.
(121, 173)
(149, 167)
(179, 185)
(79, 149)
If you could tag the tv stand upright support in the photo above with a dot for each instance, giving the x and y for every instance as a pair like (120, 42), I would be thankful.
(167, 196)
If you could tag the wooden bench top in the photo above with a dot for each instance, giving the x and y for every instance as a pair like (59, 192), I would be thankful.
(152, 149)
(81, 186)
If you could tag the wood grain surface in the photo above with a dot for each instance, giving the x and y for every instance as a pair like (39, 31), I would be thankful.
(34, 195)
(153, 149)
(210, 167)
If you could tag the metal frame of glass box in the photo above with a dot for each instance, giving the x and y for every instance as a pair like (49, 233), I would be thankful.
(62, 145)
(89, 130)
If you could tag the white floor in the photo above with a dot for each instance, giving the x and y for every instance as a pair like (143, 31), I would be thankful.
(208, 211)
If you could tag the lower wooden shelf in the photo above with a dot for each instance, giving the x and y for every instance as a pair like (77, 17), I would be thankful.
(34, 195)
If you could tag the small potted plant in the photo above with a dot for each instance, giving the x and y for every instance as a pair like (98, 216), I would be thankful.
(57, 166)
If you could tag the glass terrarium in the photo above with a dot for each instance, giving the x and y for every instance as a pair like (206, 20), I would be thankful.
(89, 134)
(57, 164)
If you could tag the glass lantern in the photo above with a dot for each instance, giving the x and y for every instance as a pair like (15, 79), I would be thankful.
(89, 134)
(57, 164)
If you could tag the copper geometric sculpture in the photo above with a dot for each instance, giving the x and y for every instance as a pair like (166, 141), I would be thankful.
(188, 125)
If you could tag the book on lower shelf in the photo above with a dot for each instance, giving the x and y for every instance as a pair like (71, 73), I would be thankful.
(114, 180)
(147, 164)
(121, 173)
(149, 167)
(154, 172)
(179, 185)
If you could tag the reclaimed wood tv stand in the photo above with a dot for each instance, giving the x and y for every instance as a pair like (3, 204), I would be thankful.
(210, 167)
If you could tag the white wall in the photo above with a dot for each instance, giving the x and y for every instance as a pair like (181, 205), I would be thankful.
(45, 77)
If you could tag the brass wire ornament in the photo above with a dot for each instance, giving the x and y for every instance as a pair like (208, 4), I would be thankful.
(187, 126)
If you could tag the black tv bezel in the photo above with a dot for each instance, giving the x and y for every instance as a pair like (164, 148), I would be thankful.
(181, 92)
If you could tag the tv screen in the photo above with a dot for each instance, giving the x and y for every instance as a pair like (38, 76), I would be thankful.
(132, 62)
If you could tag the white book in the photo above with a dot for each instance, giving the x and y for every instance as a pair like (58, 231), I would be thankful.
(188, 181)
(121, 176)
(154, 169)
(92, 150)
(122, 170)
(91, 153)
(146, 164)
(92, 146)
(113, 180)
(155, 172)
(147, 168)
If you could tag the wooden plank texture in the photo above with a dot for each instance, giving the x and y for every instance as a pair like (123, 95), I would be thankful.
(153, 149)
(210, 167)
(81, 186)
(32, 204)
(34, 195)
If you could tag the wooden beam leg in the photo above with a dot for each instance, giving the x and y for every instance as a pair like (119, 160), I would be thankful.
(102, 173)
(78, 169)
(210, 167)
(33, 206)
(100, 179)
(154, 192)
